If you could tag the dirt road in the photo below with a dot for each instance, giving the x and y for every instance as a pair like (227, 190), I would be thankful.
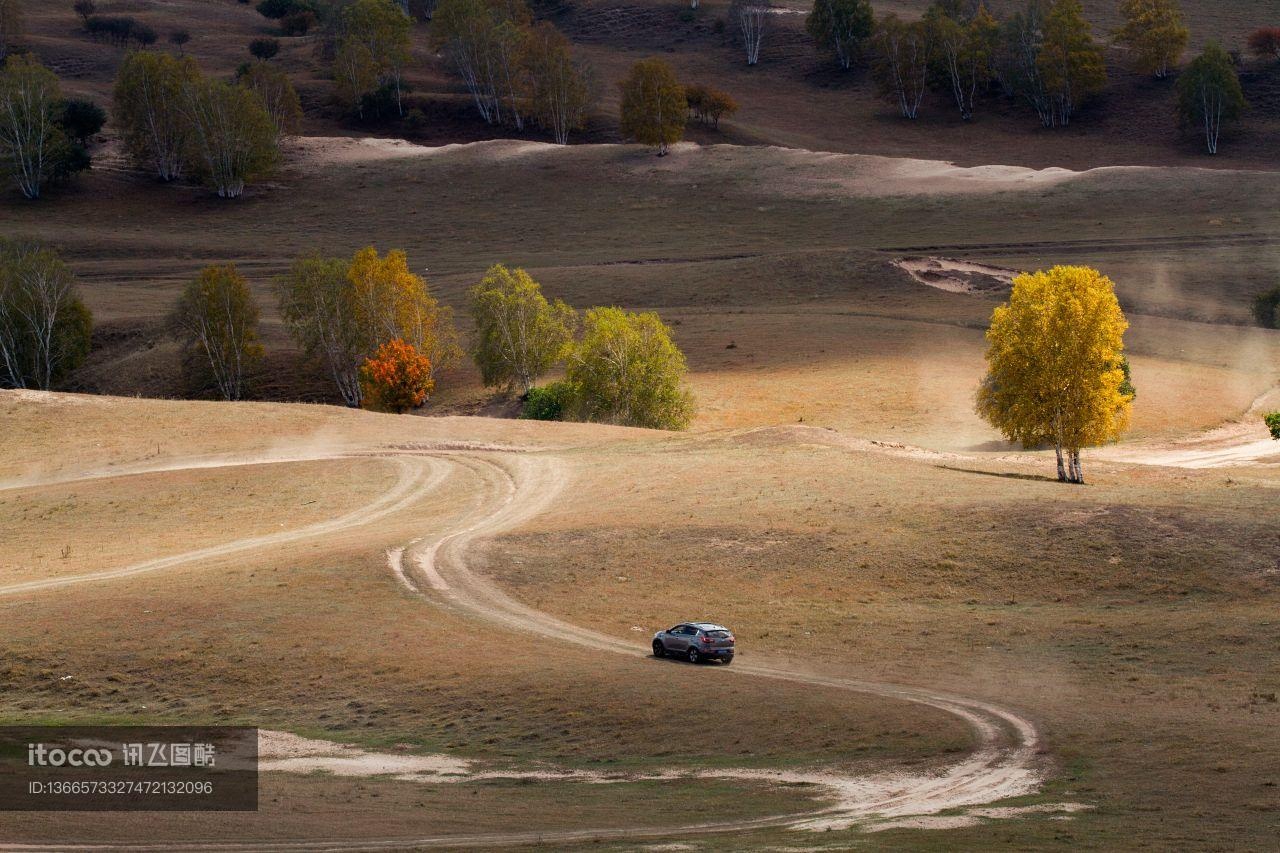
(512, 488)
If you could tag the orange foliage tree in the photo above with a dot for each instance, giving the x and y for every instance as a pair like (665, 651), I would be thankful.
(396, 378)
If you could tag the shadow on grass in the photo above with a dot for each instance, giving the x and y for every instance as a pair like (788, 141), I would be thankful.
(1009, 475)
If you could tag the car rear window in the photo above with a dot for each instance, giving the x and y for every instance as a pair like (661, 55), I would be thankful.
(718, 634)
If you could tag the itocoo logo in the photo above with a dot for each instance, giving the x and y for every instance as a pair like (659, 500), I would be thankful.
(39, 755)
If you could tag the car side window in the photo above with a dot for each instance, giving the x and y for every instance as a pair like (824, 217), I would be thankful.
(683, 629)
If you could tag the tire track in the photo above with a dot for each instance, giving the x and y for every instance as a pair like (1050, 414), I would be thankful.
(515, 488)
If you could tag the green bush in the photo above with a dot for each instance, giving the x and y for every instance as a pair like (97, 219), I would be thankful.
(551, 402)
(1266, 308)
(1273, 423)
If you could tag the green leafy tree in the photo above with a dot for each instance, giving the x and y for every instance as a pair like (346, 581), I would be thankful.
(315, 301)
(231, 138)
(45, 329)
(1209, 94)
(653, 105)
(485, 41)
(1155, 34)
(216, 319)
(388, 301)
(558, 89)
(147, 108)
(33, 146)
(373, 48)
(1272, 420)
(628, 371)
(264, 49)
(841, 26)
(1070, 61)
(519, 335)
(902, 54)
(81, 119)
(966, 50)
(272, 86)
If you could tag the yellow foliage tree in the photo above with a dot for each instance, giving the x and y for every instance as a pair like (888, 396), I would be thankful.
(387, 302)
(1155, 32)
(653, 105)
(1056, 367)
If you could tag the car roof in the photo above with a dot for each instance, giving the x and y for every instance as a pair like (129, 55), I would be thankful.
(708, 626)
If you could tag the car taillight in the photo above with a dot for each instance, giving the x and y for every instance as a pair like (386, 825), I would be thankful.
(706, 639)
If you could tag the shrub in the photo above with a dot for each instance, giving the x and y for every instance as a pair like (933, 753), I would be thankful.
(179, 38)
(396, 379)
(298, 23)
(117, 29)
(277, 9)
(630, 372)
(144, 34)
(1266, 308)
(1272, 420)
(81, 119)
(84, 8)
(1264, 43)
(551, 402)
(264, 49)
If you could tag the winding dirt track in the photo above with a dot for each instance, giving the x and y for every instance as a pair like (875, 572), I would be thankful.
(513, 488)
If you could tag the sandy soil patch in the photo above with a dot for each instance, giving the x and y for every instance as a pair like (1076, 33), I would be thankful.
(957, 276)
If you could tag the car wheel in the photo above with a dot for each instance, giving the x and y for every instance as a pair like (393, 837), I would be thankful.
(694, 657)
(726, 661)
(659, 650)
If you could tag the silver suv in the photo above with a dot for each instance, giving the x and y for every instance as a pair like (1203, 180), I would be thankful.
(695, 642)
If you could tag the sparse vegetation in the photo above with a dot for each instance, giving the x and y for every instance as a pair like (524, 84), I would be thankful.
(1272, 420)
(216, 319)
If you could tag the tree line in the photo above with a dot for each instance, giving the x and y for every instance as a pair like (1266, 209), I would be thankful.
(1044, 54)
(375, 328)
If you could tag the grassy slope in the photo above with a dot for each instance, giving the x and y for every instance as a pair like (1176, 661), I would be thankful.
(792, 266)
(318, 637)
(1133, 618)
